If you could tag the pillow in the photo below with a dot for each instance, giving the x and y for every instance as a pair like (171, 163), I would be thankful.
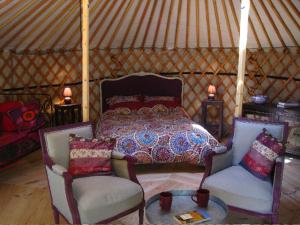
(90, 155)
(27, 116)
(168, 101)
(260, 158)
(131, 102)
(7, 124)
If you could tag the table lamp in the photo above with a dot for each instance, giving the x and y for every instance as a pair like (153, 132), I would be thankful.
(211, 91)
(67, 95)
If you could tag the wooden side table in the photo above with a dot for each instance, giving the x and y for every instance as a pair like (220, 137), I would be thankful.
(215, 128)
(67, 113)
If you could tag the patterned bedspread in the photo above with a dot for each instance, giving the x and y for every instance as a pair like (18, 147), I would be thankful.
(157, 135)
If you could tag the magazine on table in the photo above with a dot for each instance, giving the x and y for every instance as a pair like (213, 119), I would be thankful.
(192, 217)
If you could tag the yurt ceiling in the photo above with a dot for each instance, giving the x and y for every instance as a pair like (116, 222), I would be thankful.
(55, 24)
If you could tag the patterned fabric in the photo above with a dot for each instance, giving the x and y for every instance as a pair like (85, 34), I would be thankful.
(28, 116)
(14, 145)
(90, 155)
(6, 123)
(168, 101)
(260, 158)
(157, 135)
(131, 102)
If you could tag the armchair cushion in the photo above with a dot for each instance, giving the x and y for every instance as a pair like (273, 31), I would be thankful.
(239, 188)
(90, 155)
(102, 197)
(261, 156)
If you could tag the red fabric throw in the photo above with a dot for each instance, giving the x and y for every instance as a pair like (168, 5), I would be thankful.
(90, 155)
(7, 124)
(260, 158)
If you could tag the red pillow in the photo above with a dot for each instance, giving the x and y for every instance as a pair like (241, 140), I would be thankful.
(132, 102)
(260, 158)
(28, 116)
(168, 101)
(7, 124)
(90, 155)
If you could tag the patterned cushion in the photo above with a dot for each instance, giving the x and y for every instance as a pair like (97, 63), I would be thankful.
(28, 116)
(90, 155)
(260, 158)
(6, 123)
(168, 101)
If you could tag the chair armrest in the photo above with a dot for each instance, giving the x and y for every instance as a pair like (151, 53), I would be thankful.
(58, 169)
(123, 166)
(216, 161)
(60, 184)
(277, 182)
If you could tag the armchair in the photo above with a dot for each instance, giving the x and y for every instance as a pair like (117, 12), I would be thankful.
(88, 199)
(239, 189)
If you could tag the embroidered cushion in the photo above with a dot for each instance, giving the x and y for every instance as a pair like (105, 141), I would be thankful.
(6, 123)
(90, 155)
(168, 101)
(260, 158)
(28, 116)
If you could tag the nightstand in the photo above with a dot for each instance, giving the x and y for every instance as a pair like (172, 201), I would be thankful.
(215, 127)
(67, 113)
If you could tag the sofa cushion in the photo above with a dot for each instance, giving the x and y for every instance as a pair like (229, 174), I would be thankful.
(237, 187)
(6, 123)
(90, 155)
(28, 116)
(102, 197)
(260, 158)
(7, 138)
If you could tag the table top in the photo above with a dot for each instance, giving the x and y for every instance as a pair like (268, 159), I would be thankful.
(181, 203)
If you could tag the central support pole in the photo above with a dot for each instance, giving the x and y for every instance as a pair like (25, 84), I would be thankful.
(85, 59)
(245, 7)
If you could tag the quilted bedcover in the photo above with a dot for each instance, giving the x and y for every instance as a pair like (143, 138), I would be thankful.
(157, 135)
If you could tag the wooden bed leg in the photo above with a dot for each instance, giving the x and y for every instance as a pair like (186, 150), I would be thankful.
(55, 215)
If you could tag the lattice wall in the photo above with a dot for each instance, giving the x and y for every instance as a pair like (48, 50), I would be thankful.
(274, 72)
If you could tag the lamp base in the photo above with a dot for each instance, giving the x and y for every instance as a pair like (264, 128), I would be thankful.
(68, 100)
(211, 97)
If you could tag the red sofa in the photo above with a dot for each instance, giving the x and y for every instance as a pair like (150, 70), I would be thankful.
(21, 116)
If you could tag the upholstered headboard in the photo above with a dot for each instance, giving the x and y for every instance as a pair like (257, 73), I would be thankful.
(140, 84)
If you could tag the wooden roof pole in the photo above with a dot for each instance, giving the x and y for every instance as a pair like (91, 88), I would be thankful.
(245, 7)
(85, 59)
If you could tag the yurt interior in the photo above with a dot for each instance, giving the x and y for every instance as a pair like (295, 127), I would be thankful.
(149, 111)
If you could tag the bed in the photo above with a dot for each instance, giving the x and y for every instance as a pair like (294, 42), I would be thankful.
(153, 134)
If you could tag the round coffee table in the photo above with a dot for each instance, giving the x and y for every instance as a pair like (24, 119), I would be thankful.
(181, 203)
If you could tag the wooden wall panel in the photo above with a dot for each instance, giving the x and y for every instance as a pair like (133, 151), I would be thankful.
(272, 71)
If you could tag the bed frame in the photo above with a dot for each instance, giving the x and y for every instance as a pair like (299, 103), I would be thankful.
(142, 83)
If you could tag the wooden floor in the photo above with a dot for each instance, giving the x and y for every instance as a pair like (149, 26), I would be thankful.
(24, 196)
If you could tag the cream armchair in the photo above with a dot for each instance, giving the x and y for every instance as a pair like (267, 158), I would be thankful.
(239, 189)
(88, 199)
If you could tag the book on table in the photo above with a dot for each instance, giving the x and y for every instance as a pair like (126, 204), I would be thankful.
(192, 217)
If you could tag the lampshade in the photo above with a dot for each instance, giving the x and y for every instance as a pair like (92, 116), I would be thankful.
(67, 92)
(211, 89)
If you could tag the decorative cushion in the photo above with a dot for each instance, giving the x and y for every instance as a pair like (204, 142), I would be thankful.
(131, 102)
(27, 116)
(7, 124)
(90, 155)
(260, 158)
(168, 101)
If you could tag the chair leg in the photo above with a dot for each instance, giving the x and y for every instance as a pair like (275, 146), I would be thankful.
(275, 219)
(55, 215)
(141, 215)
